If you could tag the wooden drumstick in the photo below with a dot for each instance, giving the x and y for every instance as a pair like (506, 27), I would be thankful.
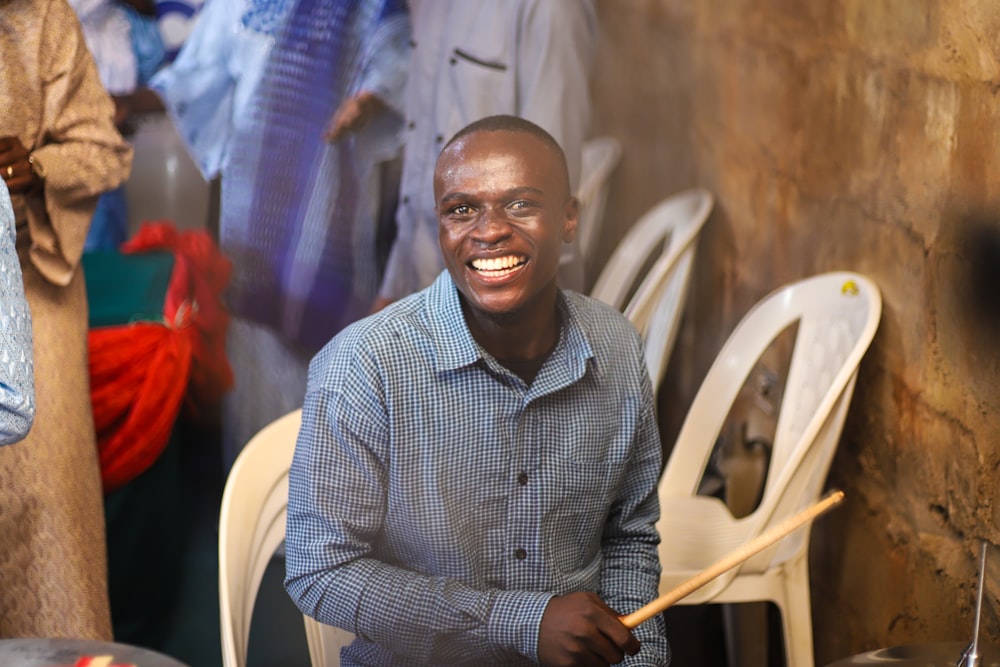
(734, 558)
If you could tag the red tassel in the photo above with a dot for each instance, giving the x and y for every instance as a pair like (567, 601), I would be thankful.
(135, 410)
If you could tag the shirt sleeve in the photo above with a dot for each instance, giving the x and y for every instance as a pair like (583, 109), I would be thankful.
(630, 574)
(337, 504)
(17, 387)
(386, 59)
(208, 86)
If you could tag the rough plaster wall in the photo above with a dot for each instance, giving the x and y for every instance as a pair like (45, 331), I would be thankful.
(859, 134)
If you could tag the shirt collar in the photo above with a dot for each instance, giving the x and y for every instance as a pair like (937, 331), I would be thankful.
(455, 347)
(569, 361)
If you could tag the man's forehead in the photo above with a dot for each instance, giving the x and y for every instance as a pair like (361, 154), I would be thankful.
(498, 141)
(489, 146)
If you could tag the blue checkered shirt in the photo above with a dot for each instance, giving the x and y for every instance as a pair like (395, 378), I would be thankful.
(438, 502)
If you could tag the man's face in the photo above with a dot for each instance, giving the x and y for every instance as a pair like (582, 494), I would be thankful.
(504, 211)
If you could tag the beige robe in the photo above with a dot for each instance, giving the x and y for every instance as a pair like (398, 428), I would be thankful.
(53, 564)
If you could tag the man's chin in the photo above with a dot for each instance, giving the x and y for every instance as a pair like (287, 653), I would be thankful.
(493, 306)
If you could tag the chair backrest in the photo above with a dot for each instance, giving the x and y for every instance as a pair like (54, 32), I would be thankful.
(656, 307)
(251, 527)
(837, 315)
(670, 225)
(657, 303)
(598, 161)
(252, 522)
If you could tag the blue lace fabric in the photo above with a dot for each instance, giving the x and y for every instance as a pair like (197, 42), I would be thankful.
(17, 377)
(265, 16)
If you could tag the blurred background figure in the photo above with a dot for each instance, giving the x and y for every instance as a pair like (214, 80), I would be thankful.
(176, 19)
(59, 150)
(125, 42)
(478, 58)
(208, 86)
(253, 91)
(17, 378)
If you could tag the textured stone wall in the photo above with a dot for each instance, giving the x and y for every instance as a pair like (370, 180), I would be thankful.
(857, 134)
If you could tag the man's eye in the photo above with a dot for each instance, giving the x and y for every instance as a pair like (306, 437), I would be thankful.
(461, 209)
(520, 205)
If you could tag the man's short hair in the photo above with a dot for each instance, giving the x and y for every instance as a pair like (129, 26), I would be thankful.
(508, 123)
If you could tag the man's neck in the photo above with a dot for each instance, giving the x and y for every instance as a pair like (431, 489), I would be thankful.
(518, 337)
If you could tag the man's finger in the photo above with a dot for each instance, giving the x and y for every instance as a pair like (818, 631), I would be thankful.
(620, 636)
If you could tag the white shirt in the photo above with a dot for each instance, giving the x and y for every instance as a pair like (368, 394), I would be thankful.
(109, 38)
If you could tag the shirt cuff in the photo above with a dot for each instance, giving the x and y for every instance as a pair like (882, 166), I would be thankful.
(515, 620)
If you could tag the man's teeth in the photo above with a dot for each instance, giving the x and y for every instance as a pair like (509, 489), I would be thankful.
(496, 263)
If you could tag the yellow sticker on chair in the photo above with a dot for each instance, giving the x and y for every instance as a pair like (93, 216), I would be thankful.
(849, 287)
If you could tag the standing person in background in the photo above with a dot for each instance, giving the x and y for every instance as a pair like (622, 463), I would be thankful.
(123, 39)
(59, 150)
(298, 216)
(17, 378)
(127, 48)
(475, 58)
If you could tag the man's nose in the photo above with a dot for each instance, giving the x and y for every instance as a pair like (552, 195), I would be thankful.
(493, 226)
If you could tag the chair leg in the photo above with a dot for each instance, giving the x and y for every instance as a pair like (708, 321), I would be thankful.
(796, 614)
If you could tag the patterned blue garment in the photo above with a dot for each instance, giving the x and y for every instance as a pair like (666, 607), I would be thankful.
(147, 43)
(298, 214)
(437, 502)
(17, 378)
(251, 93)
(266, 16)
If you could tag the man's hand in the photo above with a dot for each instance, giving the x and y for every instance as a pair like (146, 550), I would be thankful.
(353, 114)
(15, 166)
(579, 629)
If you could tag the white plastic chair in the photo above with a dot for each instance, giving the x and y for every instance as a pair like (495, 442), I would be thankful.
(656, 305)
(837, 315)
(251, 527)
(656, 229)
(598, 161)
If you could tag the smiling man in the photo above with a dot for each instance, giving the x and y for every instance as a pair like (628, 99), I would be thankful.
(475, 476)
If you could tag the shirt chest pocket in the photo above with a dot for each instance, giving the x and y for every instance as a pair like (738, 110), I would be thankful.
(482, 75)
(572, 531)
(597, 433)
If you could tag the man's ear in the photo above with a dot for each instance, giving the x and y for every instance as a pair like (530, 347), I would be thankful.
(571, 220)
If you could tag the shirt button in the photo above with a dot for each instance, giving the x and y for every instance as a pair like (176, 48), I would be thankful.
(522, 478)
(406, 199)
(452, 61)
(520, 553)
(439, 138)
(411, 125)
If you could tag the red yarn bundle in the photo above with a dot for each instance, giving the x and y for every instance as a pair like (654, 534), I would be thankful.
(144, 374)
